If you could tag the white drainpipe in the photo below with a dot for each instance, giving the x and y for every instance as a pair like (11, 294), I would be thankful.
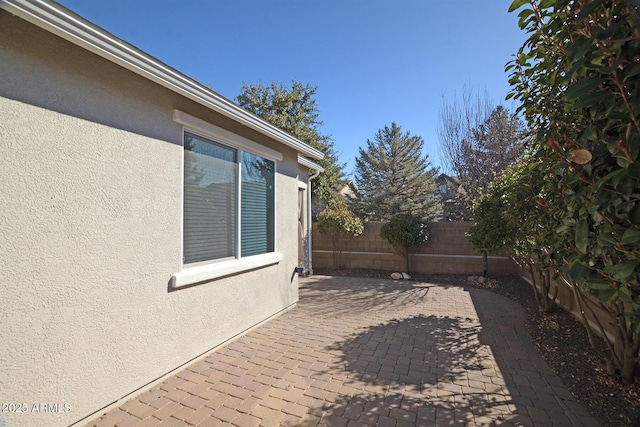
(309, 223)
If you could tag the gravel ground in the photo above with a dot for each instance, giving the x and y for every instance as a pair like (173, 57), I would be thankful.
(563, 342)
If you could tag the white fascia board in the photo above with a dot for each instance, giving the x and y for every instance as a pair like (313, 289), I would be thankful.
(61, 22)
(308, 163)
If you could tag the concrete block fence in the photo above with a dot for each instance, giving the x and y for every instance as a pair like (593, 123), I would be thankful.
(446, 252)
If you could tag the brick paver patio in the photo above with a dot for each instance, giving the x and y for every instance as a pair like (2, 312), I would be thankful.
(369, 352)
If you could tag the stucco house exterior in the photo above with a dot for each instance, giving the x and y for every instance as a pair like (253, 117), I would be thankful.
(145, 220)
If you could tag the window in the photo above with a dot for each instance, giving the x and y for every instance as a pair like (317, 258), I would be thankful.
(257, 205)
(229, 202)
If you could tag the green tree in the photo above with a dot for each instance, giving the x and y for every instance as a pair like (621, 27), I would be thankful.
(294, 110)
(488, 233)
(513, 214)
(531, 223)
(477, 141)
(405, 231)
(578, 78)
(393, 177)
(339, 221)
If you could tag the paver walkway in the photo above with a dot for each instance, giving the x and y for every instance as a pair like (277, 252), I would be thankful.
(369, 352)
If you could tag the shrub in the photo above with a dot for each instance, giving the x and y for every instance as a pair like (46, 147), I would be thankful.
(404, 231)
(338, 221)
(577, 79)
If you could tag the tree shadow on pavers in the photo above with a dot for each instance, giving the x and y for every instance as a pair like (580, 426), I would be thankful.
(402, 410)
(329, 295)
(415, 351)
(423, 370)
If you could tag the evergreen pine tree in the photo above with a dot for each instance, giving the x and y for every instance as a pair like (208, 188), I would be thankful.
(393, 177)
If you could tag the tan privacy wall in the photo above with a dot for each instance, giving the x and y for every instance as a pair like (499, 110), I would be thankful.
(446, 251)
(586, 308)
(90, 234)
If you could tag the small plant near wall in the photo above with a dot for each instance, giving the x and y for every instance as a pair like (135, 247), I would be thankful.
(339, 222)
(403, 232)
(488, 233)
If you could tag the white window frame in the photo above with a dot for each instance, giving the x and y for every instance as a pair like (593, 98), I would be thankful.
(191, 274)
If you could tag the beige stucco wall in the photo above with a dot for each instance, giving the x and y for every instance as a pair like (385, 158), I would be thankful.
(90, 233)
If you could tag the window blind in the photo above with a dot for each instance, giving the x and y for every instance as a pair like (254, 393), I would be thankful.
(257, 205)
(210, 201)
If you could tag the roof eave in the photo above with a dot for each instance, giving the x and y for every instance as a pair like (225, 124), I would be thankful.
(308, 163)
(61, 22)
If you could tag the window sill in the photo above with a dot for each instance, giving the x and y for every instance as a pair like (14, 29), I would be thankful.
(202, 273)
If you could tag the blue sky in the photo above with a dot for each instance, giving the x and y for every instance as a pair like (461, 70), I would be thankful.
(374, 61)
